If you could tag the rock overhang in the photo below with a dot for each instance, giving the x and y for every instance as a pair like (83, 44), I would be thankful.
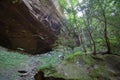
(29, 25)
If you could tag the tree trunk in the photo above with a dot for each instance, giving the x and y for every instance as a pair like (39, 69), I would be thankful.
(90, 34)
(94, 44)
(105, 28)
(105, 34)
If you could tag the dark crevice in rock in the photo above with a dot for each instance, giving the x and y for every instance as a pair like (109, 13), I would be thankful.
(40, 76)
(22, 71)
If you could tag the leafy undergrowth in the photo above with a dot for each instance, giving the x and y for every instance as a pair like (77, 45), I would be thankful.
(80, 66)
(73, 66)
(11, 62)
(11, 59)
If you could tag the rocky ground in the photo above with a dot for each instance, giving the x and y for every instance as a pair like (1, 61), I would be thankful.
(29, 72)
(15, 66)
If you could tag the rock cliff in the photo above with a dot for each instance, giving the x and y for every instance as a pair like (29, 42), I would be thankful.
(29, 25)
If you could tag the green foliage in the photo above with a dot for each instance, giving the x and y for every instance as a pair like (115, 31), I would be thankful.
(10, 63)
(86, 20)
(99, 72)
(73, 55)
(48, 63)
(11, 59)
(85, 67)
(62, 43)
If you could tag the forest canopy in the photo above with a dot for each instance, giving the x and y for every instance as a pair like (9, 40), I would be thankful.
(92, 25)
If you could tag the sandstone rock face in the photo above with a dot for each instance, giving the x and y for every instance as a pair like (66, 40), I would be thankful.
(29, 25)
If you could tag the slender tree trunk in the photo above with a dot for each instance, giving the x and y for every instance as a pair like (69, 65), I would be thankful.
(106, 34)
(94, 44)
(80, 37)
(90, 42)
(81, 40)
(90, 34)
(105, 27)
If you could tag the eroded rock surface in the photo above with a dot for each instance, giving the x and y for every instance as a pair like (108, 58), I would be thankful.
(29, 25)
